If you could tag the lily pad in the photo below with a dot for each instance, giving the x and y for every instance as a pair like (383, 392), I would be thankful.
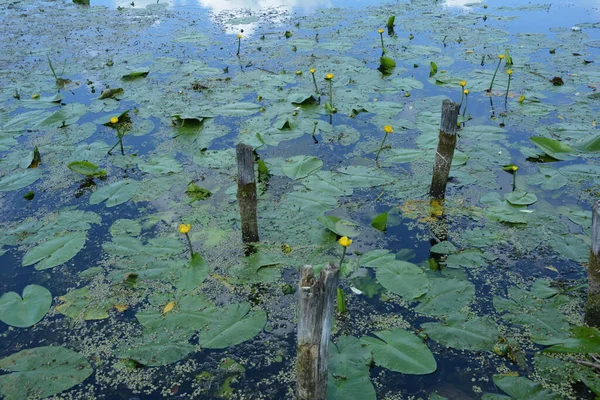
(403, 278)
(520, 198)
(28, 310)
(461, 332)
(20, 179)
(337, 225)
(519, 387)
(301, 166)
(446, 296)
(401, 351)
(552, 147)
(231, 325)
(41, 372)
(55, 251)
(115, 193)
(349, 371)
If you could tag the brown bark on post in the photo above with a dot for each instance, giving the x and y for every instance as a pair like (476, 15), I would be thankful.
(314, 327)
(445, 149)
(592, 309)
(246, 193)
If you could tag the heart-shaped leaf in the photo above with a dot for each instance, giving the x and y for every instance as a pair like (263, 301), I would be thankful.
(55, 251)
(27, 311)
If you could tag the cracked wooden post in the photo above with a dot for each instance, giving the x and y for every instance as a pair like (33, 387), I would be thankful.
(246, 195)
(314, 327)
(445, 149)
(592, 309)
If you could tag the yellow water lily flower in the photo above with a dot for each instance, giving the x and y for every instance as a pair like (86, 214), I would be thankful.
(344, 241)
(239, 36)
(466, 91)
(329, 76)
(170, 305)
(388, 129)
(509, 71)
(312, 70)
(463, 83)
(515, 168)
(185, 228)
(501, 56)
(380, 30)
(114, 120)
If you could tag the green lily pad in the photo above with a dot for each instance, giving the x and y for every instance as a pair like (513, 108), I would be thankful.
(461, 332)
(339, 226)
(403, 278)
(582, 339)
(157, 349)
(20, 179)
(519, 387)
(55, 251)
(28, 310)
(520, 198)
(301, 166)
(446, 297)
(349, 371)
(380, 222)
(231, 325)
(552, 147)
(192, 275)
(160, 165)
(81, 303)
(86, 168)
(401, 351)
(135, 74)
(41, 372)
(116, 193)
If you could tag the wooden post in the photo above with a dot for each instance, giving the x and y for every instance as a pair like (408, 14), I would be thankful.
(592, 309)
(246, 193)
(314, 327)
(445, 149)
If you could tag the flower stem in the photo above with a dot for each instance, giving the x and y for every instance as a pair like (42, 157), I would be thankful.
(190, 245)
(315, 82)
(494, 77)
(380, 147)
(331, 93)
(239, 45)
(343, 256)
(313, 132)
(466, 104)
(514, 185)
(382, 46)
(507, 89)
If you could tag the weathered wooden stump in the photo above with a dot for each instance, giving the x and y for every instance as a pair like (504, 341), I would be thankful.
(246, 193)
(445, 149)
(592, 309)
(314, 327)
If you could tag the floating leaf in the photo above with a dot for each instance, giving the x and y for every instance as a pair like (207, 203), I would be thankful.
(519, 387)
(461, 332)
(380, 222)
(28, 310)
(552, 147)
(136, 74)
(571, 247)
(446, 296)
(582, 339)
(231, 325)
(444, 247)
(86, 168)
(301, 166)
(41, 372)
(433, 69)
(349, 371)
(80, 303)
(339, 226)
(401, 351)
(20, 179)
(161, 165)
(116, 193)
(376, 258)
(55, 251)
(159, 348)
(403, 278)
(520, 198)
(192, 275)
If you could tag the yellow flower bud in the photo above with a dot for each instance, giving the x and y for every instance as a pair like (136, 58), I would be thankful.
(515, 168)
(509, 71)
(463, 83)
(312, 70)
(114, 120)
(183, 228)
(388, 129)
(501, 56)
(239, 36)
(522, 98)
(466, 91)
(344, 241)
(329, 76)
(298, 72)
(380, 30)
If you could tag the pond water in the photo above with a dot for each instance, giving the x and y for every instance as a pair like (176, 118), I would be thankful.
(118, 127)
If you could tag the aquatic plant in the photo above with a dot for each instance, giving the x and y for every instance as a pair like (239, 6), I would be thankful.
(466, 93)
(509, 72)
(383, 50)
(184, 229)
(312, 72)
(462, 92)
(329, 106)
(239, 38)
(500, 58)
(387, 129)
